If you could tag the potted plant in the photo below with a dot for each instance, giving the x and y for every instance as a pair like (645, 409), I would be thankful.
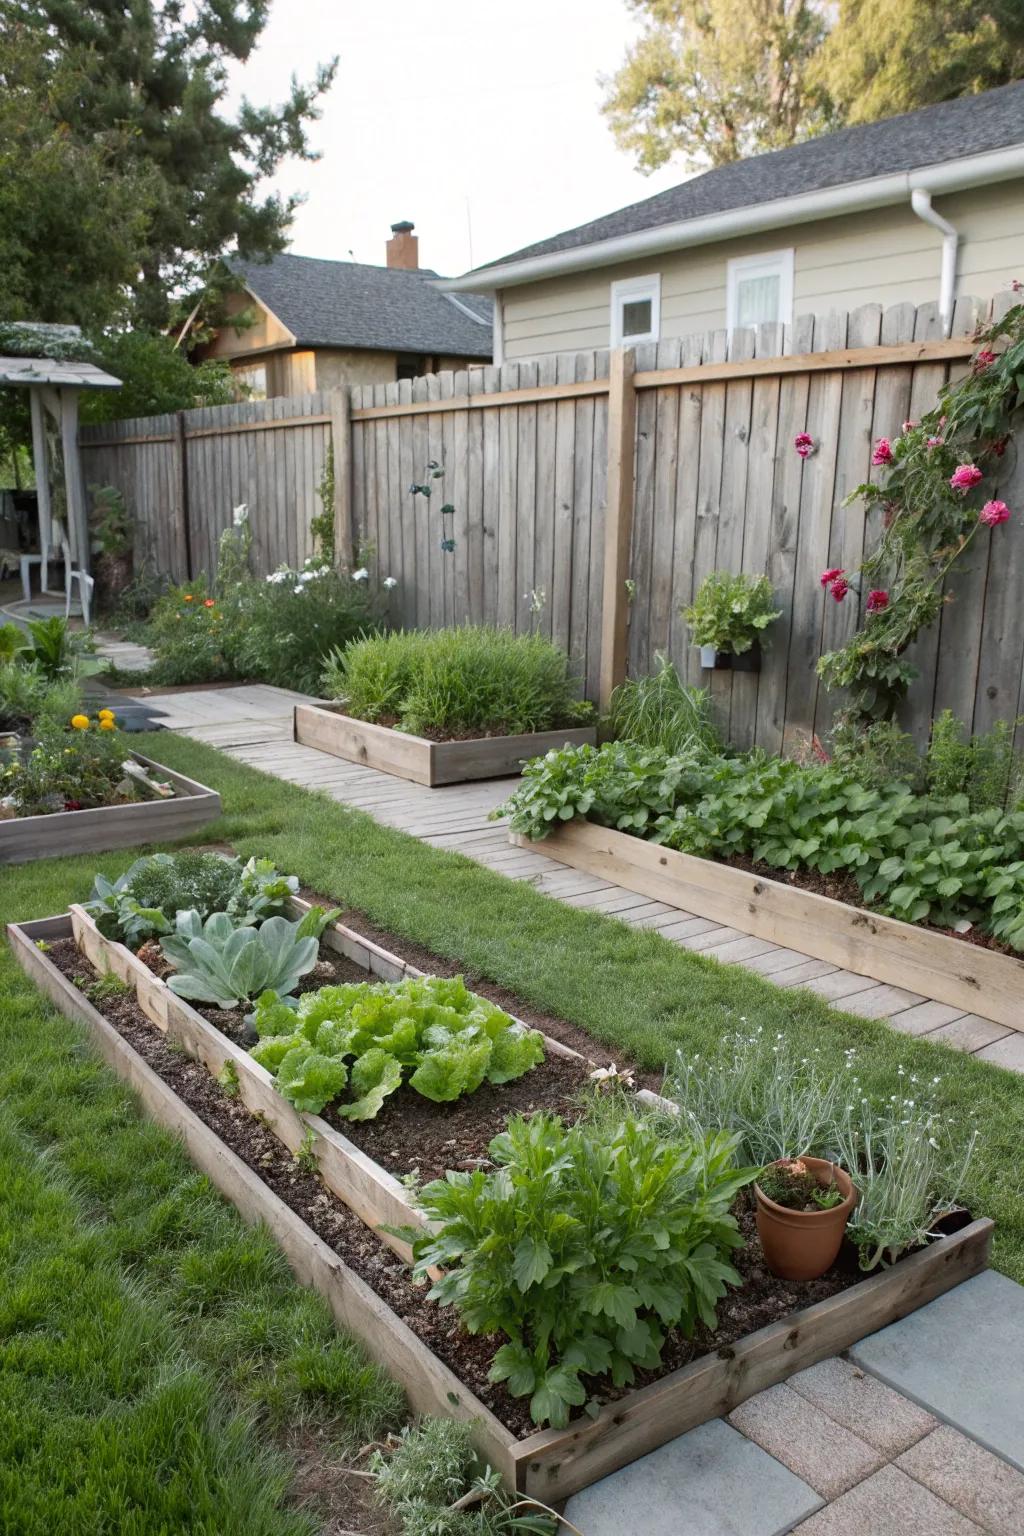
(727, 619)
(803, 1205)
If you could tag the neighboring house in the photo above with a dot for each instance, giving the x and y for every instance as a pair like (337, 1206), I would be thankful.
(319, 324)
(924, 207)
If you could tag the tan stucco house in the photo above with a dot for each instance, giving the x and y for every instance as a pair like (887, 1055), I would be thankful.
(313, 324)
(924, 207)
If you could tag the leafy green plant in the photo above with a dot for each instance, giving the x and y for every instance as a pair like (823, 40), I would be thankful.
(28, 696)
(876, 754)
(11, 642)
(661, 711)
(473, 680)
(984, 767)
(321, 526)
(794, 1187)
(57, 652)
(731, 611)
(217, 963)
(110, 523)
(432, 1032)
(143, 902)
(70, 770)
(583, 1248)
(938, 494)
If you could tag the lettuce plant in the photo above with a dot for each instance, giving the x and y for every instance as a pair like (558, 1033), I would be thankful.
(227, 966)
(583, 1248)
(433, 1032)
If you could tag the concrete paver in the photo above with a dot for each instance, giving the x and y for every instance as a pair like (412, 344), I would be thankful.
(827, 1456)
(862, 1403)
(978, 1484)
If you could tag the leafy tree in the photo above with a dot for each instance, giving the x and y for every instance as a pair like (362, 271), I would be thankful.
(715, 80)
(72, 210)
(158, 69)
(881, 59)
(155, 377)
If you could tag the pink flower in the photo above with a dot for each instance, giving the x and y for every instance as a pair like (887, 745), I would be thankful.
(883, 452)
(877, 600)
(994, 512)
(908, 426)
(934, 442)
(964, 477)
(839, 588)
(829, 576)
(1016, 284)
(804, 444)
(984, 360)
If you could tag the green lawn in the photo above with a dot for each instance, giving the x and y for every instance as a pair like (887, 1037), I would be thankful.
(152, 1349)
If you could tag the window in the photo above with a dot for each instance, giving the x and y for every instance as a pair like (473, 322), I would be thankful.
(250, 381)
(636, 310)
(759, 289)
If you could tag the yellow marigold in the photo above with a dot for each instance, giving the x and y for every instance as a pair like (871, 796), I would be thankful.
(105, 714)
(109, 724)
(80, 722)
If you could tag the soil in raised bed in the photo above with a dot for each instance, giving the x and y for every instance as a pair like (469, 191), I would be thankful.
(412, 1134)
(761, 1300)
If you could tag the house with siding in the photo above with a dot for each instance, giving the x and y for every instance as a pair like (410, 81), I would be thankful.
(924, 207)
(307, 324)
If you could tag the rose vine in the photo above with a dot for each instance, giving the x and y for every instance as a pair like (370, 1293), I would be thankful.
(932, 509)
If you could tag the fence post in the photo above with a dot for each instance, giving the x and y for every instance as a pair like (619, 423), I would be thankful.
(341, 441)
(618, 525)
(186, 519)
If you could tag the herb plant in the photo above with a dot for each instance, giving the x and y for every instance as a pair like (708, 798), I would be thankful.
(70, 770)
(583, 1248)
(473, 680)
(433, 1032)
(731, 611)
(144, 901)
(793, 1186)
(660, 711)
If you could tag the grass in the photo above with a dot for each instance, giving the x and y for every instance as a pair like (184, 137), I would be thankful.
(157, 1362)
(661, 711)
(453, 681)
(637, 993)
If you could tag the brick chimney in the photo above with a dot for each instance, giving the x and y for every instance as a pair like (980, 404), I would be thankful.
(404, 247)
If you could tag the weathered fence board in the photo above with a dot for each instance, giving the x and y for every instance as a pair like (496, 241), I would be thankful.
(714, 483)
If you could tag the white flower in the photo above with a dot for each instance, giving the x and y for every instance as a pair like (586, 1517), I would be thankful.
(389, 582)
(361, 575)
(240, 514)
(281, 575)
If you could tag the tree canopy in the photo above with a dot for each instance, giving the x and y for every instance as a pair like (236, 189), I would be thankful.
(133, 139)
(710, 81)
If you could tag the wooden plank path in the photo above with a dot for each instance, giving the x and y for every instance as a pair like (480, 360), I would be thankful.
(253, 724)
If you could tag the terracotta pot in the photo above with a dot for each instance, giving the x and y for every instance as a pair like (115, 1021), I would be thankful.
(801, 1245)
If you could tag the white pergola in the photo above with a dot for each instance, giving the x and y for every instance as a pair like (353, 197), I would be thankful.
(54, 385)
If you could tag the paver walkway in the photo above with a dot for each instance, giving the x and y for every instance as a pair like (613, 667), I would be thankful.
(254, 724)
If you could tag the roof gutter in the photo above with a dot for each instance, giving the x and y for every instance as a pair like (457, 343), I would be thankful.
(851, 197)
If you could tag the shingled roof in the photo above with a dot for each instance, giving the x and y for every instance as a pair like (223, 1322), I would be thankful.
(384, 309)
(949, 131)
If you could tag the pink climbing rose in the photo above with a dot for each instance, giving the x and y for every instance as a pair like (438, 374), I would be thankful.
(994, 512)
(839, 588)
(984, 360)
(829, 576)
(934, 442)
(964, 477)
(877, 600)
(883, 452)
(804, 444)
(908, 425)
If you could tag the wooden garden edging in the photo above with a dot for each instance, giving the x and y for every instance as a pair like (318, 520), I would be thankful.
(550, 1464)
(944, 969)
(324, 726)
(373, 1194)
(111, 826)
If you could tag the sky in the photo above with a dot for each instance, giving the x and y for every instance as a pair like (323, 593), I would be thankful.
(479, 120)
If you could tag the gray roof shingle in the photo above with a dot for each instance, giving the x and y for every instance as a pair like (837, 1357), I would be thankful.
(349, 304)
(948, 131)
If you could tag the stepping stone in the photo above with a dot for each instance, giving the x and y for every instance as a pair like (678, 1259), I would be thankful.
(970, 1478)
(863, 1404)
(962, 1358)
(829, 1457)
(712, 1481)
(888, 1504)
(1008, 1052)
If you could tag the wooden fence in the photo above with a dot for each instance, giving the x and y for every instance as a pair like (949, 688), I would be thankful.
(593, 494)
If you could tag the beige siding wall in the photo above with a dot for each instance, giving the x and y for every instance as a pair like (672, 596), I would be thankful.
(885, 256)
(336, 366)
(266, 331)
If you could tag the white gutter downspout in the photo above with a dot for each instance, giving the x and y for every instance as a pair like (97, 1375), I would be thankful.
(921, 202)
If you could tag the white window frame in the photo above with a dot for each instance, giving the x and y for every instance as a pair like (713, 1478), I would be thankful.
(764, 264)
(627, 291)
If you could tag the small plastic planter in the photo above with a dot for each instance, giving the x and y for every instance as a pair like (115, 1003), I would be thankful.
(802, 1245)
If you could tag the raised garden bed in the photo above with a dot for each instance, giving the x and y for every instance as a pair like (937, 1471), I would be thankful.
(325, 726)
(948, 970)
(111, 826)
(349, 1266)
